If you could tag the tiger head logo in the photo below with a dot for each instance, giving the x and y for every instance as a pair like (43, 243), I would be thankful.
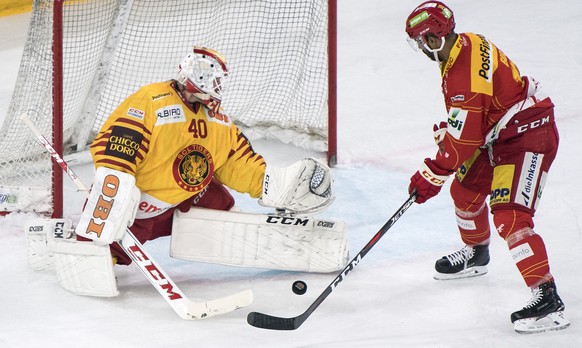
(193, 168)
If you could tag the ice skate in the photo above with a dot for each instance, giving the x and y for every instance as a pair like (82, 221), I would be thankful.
(468, 262)
(544, 312)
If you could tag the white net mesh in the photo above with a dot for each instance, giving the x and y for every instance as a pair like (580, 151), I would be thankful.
(276, 50)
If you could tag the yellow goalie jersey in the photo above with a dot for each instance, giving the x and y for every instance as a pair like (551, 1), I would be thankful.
(174, 148)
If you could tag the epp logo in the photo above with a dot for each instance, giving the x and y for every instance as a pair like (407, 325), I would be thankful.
(501, 195)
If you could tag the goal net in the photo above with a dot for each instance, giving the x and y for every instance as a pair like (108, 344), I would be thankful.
(277, 51)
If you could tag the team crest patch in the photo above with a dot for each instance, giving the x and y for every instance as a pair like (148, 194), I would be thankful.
(193, 168)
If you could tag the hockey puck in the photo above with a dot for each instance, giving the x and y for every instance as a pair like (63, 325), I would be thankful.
(299, 287)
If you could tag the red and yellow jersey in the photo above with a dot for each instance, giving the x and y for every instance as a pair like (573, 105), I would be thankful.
(479, 83)
(174, 148)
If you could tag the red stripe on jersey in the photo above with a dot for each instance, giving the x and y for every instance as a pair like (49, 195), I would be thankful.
(110, 162)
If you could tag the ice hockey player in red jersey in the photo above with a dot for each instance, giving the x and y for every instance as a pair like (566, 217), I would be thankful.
(500, 139)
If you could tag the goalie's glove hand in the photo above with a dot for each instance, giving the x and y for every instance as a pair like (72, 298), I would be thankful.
(303, 187)
(427, 181)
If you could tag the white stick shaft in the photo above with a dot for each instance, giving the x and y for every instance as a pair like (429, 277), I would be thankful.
(56, 157)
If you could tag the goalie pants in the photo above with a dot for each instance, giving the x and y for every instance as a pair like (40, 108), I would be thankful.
(513, 174)
(216, 196)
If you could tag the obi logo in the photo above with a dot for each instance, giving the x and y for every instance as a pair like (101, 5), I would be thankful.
(103, 206)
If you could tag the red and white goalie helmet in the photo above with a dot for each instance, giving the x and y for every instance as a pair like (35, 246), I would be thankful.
(204, 73)
(430, 17)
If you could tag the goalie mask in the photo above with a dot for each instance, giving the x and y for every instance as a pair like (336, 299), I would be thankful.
(204, 73)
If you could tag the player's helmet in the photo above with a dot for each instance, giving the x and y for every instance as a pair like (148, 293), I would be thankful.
(430, 17)
(204, 73)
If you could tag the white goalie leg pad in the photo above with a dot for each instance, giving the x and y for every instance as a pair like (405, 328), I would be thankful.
(85, 268)
(262, 241)
(40, 236)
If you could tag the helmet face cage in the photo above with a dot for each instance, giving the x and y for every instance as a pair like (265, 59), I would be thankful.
(204, 71)
(430, 17)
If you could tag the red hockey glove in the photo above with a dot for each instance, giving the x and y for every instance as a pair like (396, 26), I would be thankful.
(427, 181)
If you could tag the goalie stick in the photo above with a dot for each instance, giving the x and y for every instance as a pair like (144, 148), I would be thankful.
(183, 306)
(265, 321)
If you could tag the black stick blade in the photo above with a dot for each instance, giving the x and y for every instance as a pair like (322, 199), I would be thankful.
(265, 321)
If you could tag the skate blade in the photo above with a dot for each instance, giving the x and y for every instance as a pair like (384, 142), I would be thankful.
(551, 322)
(468, 273)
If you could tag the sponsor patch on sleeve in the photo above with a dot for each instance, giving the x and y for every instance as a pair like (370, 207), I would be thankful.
(456, 122)
(137, 113)
(123, 143)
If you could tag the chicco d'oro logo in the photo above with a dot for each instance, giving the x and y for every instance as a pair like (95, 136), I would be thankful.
(193, 168)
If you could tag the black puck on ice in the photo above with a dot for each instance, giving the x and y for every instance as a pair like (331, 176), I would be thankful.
(299, 287)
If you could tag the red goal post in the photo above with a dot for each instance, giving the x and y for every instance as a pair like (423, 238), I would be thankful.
(83, 57)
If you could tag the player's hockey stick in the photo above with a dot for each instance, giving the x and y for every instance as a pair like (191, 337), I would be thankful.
(183, 306)
(265, 321)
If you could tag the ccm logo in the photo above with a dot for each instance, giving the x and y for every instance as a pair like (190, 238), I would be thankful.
(59, 231)
(533, 124)
(283, 220)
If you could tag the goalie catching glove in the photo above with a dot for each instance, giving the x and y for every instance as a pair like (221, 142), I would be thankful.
(303, 187)
(110, 208)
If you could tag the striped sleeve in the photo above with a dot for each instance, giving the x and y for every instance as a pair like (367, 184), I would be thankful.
(244, 169)
(123, 140)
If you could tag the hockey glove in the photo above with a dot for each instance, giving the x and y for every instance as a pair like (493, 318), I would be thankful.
(110, 208)
(439, 134)
(305, 187)
(427, 181)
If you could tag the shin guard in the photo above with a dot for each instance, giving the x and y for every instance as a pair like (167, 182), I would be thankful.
(527, 248)
(472, 215)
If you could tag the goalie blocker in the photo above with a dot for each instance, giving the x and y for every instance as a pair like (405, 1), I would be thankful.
(293, 243)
